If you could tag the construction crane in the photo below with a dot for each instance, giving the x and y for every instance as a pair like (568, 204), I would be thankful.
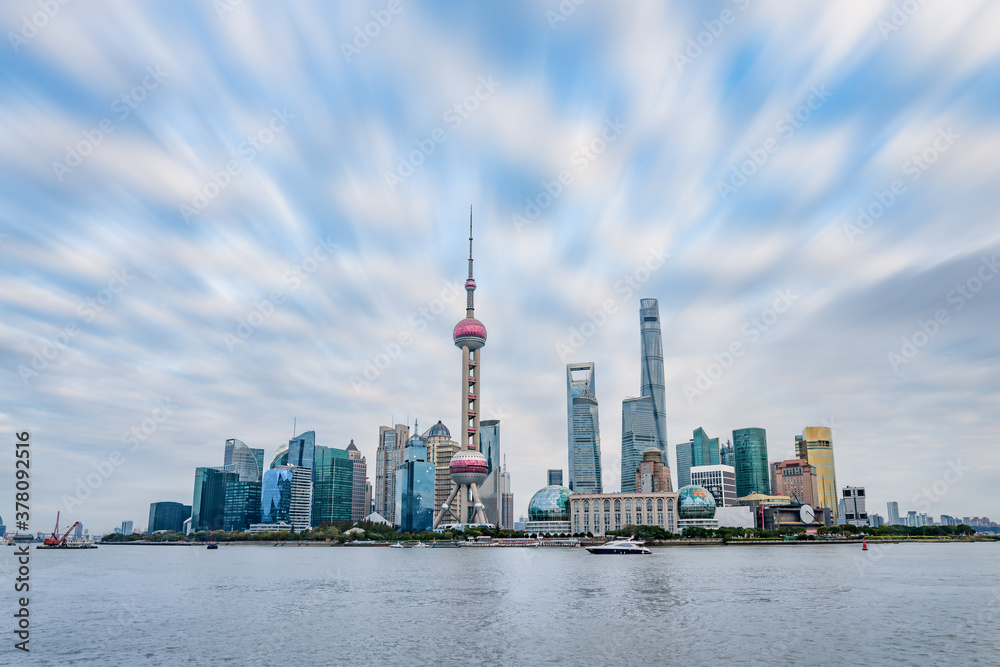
(56, 541)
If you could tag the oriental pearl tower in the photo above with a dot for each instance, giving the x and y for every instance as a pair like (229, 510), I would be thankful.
(468, 467)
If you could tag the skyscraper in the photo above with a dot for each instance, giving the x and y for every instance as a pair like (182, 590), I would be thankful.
(247, 463)
(584, 429)
(753, 474)
(683, 464)
(440, 450)
(719, 480)
(209, 499)
(653, 383)
(796, 479)
(652, 476)
(489, 440)
(333, 486)
(300, 511)
(704, 450)
(555, 477)
(892, 510)
(727, 455)
(491, 490)
(468, 467)
(302, 450)
(853, 498)
(359, 506)
(506, 500)
(638, 435)
(391, 440)
(241, 506)
(276, 495)
(815, 445)
(414, 488)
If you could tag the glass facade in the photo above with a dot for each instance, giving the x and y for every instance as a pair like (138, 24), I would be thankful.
(302, 450)
(753, 474)
(584, 429)
(242, 504)
(489, 442)
(652, 369)
(638, 435)
(815, 445)
(555, 477)
(246, 462)
(550, 503)
(683, 464)
(704, 450)
(414, 502)
(209, 498)
(276, 495)
(695, 502)
(333, 486)
(167, 516)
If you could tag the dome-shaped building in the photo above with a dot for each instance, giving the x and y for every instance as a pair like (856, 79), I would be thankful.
(548, 511)
(437, 430)
(695, 507)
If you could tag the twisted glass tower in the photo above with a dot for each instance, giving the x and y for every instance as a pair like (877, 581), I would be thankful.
(652, 369)
(584, 429)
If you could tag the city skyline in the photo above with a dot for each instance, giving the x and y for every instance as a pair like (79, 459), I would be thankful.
(204, 244)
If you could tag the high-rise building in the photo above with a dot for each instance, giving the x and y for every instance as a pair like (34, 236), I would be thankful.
(78, 530)
(753, 474)
(440, 450)
(892, 510)
(167, 516)
(280, 456)
(468, 467)
(683, 450)
(651, 475)
(555, 477)
(727, 455)
(653, 383)
(796, 478)
(241, 506)
(638, 435)
(854, 505)
(300, 511)
(719, 480)
(489, 440)
(126, 527)
(583, 428)
(368, 497)
(302, 450)
(276, 495)
(360, 507)
(333, 486)
(704, 450)
(246, 462)
(391, 440)
(815, 445)
(208, 505)
(414, 499)
(506, 500)
(491, 490)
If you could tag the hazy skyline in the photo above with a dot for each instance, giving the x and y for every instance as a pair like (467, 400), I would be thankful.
(216, 216)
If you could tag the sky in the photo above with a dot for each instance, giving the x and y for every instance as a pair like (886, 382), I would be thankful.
(222, 220)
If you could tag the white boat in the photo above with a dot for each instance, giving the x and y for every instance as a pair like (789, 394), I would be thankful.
(420, 545)
(397, 545)
(620, 547)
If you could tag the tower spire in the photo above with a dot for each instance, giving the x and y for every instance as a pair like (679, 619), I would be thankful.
(470, 283)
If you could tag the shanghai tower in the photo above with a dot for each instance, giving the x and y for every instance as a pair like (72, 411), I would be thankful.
(652, 369)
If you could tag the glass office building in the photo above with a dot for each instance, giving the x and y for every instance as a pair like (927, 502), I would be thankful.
(815, 445)
(753, 473)
(167, 516)
(333, 486)
(246, 462)
(242, 505)
(302, 450)
(209, 498)
(584, 429)
(489, 442)
(638, 435)
(414, 485)
(653, 384)
(276, 495)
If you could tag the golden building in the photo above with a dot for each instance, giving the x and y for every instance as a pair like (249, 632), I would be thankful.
(815, 445)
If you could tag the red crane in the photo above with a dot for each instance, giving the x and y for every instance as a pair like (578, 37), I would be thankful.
(56, 541)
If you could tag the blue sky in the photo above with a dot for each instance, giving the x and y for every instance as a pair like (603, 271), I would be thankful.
(215, 218)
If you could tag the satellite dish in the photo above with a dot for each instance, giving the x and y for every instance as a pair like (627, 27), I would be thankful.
(807, 514)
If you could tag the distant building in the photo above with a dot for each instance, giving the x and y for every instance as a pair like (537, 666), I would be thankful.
(360, 506)
(700, 450)
(854, 505)
(520, 523)
(597, 513)
(914, 520)
(719, 480)
(796, 478)
(246, 462)
(892, 512)
(414, 503)
(302, 450)
(683, 451)
(491, 490)
(77, 531)
(548, 511)
(652, 377)
(947, 520)
(752, 472)
(489, 441)
(815, 445)
(638, 435)
(126, 527)
(583, 428)
(651, 475)
(555, 477)
(167, 516)
(368, 498)
(241, 506)
(333, 486)
(875, 521)
(507, 501)
(727, 455)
